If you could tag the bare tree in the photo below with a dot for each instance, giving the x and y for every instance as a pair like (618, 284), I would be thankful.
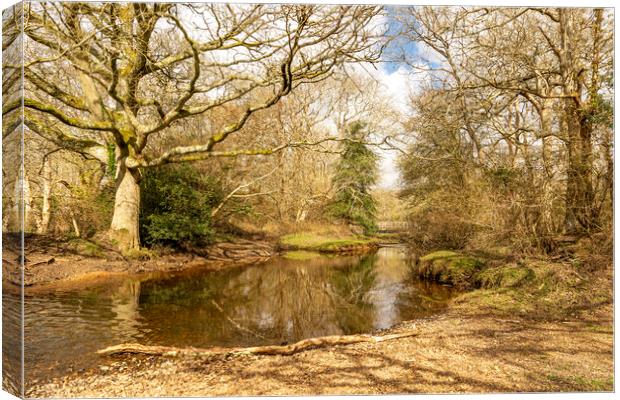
(125, 73)
(532, 83)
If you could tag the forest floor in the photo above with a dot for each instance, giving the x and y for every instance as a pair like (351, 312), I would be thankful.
(529, 339)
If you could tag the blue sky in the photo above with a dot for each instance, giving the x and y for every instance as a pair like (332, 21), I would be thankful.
(396, 79)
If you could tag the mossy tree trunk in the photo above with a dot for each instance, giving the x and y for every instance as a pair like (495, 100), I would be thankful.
(580, 108)
(125, 220)
(580, 214)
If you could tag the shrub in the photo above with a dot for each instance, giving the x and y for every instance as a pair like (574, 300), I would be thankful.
(176, 205)
(442, 220)
(89, 206)
(140, 254)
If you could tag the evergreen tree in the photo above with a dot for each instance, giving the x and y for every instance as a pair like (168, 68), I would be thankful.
(356, 172)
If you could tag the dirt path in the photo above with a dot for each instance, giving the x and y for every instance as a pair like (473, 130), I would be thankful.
(453, 353)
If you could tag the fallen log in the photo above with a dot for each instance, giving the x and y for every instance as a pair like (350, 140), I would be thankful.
(286, 350)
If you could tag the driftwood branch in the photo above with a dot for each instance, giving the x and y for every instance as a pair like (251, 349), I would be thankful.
(303, 345)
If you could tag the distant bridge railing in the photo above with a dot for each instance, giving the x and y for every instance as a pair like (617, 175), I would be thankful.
(393, 226)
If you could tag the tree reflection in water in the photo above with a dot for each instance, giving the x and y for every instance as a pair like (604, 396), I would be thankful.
(284, 301)
(351, 286)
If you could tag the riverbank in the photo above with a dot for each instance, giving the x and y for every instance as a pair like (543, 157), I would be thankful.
(547, 329)
(523, 338)
(53, 264)
(552, 287)
(65, 264)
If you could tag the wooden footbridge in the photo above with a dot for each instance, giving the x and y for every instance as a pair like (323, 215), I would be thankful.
(393, 226)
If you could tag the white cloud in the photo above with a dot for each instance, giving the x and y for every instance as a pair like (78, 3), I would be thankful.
(398, 86)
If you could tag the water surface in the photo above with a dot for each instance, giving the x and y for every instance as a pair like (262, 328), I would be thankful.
(281, 301)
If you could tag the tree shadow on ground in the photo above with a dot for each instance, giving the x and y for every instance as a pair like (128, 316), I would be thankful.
(481, 357)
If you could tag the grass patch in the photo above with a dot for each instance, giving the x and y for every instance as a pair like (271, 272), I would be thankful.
(503, 301)
(141, 254)
(597, 385)
(301, 255)
(583, 383)
(315, 242)
(437, 255)
(509, 275)
(388, 238)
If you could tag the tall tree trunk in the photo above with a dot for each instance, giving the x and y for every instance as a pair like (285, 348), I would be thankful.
(46, 194)
(45, 208)
(124, 227)
(579, 191)
(27, 206)
(76, 227)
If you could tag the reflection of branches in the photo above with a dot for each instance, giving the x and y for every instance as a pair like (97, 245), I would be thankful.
(353, 284)
(236, 324)
(348, 292)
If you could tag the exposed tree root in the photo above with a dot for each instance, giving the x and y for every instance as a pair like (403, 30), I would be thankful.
(303, 345)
